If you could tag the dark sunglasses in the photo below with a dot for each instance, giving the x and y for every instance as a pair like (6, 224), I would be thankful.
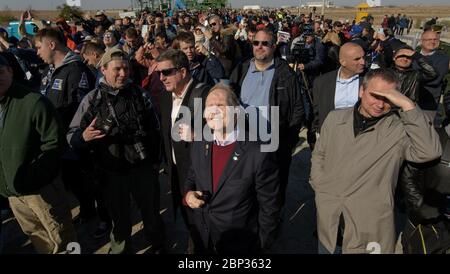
(166, 72)
(213, 24)
(256, 43)
(404, 56)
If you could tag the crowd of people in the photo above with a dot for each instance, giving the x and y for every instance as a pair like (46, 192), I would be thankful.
(102, 107)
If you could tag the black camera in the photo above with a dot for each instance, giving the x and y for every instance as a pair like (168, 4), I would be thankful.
(139, 148)
(206, 196)
(299, 53)
(104, 125)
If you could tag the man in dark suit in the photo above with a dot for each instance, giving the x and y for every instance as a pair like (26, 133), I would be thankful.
(232, 187)
(182, 89)
(338, 88)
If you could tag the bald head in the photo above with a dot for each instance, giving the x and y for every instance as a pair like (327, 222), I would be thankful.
(351, 58)
(349, 49)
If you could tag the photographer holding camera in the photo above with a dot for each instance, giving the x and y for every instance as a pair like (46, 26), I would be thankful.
(308, 53)
(307, 56)
(118, 125)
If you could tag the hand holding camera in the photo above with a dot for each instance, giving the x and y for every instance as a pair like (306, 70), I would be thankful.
(194, 199)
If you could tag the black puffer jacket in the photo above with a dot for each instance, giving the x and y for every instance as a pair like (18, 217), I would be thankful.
(412, 80)
(425, 186)
(285, 92)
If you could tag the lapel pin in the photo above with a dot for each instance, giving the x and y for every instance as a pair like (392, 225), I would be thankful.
(236, 156)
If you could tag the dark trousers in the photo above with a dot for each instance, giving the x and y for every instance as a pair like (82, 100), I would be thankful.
(195, 243)
(142, 184)
(75, 180)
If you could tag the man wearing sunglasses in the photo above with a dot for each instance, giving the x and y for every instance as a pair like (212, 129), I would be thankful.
(181, 90)
(266, 81)
(411, 79)
(222, 43)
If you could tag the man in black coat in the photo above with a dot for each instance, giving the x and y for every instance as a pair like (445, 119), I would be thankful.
(232, 187)
(266, 82)
(338, 88)
(182, 89)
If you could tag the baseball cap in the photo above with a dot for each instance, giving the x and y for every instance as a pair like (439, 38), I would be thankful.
(356, 29)
(113, 54)
(99, 13)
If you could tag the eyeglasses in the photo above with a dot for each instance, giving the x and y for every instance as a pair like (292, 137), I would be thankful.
(432, 39)
(166, 72)
(256, 43)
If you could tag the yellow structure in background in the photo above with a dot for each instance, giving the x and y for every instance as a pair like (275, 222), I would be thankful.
(363, 11)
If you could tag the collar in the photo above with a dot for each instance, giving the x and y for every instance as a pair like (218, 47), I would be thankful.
(427, 54)
(345, 81)
(106, 87)
(362, 123)
(69, 58)
(229, 139)
(253, 68)
(174, 96)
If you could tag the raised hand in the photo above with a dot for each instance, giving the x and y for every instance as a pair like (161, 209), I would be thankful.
(396, 98)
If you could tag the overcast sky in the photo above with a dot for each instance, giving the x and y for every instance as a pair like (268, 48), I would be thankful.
(118, 4)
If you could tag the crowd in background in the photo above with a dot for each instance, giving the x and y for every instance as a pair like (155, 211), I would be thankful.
(309, 60)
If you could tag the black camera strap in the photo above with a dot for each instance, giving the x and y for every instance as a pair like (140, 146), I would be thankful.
(141, 129)
(114, 115)
(111, 108)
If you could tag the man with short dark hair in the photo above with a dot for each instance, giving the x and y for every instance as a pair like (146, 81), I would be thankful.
(205, 67)
(181, 90)
(68, 80)
(356, 162)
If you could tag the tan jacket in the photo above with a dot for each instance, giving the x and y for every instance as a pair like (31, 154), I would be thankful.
(357, 176)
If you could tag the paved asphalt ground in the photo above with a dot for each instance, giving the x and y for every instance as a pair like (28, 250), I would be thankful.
(296, 232)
